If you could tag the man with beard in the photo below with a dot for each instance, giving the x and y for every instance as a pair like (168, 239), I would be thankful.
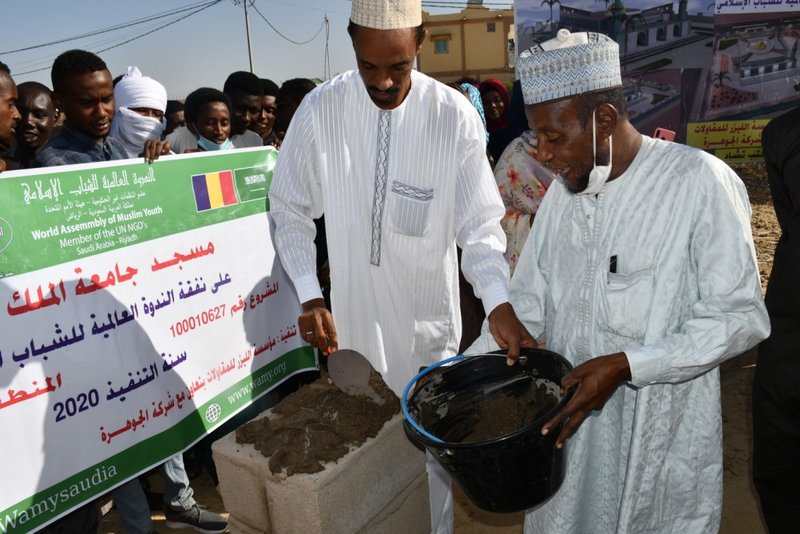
(39, 117)
(641, 271)
(396, 162)
(9, 115)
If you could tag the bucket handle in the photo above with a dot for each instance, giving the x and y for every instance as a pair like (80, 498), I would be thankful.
(413, 381)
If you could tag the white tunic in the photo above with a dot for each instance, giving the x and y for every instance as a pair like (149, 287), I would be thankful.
(398, 189)
(685, 296)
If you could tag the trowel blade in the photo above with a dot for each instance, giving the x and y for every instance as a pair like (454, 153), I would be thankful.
(350, 372)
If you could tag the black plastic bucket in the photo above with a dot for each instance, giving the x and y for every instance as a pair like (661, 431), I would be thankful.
(510, 472)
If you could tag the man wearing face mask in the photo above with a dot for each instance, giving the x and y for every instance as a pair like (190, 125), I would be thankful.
(208, 123)
(641, 271)
(141, 102)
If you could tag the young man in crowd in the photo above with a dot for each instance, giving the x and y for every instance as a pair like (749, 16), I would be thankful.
(246, 92)
(266, 119)
(174, 116)
(9, 115)
(83, 89)
(287, 101)
(359, 150)
(39, 117)
(208, 117)
(185, 138)
(141, 102)
(641, 271)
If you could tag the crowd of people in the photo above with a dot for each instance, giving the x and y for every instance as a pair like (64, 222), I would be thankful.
(630, 256)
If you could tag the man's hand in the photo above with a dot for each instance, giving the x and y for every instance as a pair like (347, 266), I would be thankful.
(154, 148)
(596, 381)
(509, 332)
(316, 326)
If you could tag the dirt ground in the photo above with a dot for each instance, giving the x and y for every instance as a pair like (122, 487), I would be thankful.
(740, 508)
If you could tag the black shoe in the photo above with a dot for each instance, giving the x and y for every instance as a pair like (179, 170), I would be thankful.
(196, 517)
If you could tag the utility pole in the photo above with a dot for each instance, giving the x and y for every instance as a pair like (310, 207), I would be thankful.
(247, 27)
(249, 46)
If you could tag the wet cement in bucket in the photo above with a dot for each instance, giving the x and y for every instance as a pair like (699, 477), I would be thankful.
(317, 424)
(492, 411)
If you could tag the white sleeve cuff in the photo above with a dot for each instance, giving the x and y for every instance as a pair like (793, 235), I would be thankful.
(307, 287)
(493, 296)
(645, 367)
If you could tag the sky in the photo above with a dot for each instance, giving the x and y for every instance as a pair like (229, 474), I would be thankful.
(203, 48)
(200, 50)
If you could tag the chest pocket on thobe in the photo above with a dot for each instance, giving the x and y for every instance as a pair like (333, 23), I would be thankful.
(628, 298)
(410, 208)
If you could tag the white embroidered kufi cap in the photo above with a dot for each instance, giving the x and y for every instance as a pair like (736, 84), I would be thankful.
(387, 14)
(568, 65)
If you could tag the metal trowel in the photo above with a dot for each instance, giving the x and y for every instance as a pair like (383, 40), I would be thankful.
(350, 372)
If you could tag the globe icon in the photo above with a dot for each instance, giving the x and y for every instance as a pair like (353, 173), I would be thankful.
(213, 412)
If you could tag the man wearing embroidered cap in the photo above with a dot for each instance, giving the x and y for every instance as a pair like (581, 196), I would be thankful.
(641, 271)
(396, 162)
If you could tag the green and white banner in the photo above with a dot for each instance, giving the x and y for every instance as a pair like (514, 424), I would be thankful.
(142, 307)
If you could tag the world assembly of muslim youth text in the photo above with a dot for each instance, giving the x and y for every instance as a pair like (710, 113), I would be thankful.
(98, 215)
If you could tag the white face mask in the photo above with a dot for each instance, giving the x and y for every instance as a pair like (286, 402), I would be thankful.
(600, 173)
(134, 130)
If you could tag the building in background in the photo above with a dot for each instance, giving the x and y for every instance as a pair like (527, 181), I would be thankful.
(477, 43)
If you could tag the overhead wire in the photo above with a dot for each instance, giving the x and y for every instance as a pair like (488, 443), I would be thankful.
(120, 26)
(253, 5)
(205, 6)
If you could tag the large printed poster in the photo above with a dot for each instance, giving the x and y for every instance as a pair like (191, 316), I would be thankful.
(143, 306)
(687, 63)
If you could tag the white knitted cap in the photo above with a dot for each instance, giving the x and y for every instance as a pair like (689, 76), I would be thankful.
(570, 64)
(387, 14)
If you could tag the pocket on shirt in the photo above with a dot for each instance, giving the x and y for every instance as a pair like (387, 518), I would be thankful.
(628, 298)
(410, 208)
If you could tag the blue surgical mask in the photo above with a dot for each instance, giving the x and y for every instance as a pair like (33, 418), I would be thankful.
(209, 145)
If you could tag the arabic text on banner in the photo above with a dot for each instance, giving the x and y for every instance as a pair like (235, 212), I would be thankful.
(143, 306)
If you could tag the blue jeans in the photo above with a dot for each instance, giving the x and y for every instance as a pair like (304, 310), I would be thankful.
(131, 502)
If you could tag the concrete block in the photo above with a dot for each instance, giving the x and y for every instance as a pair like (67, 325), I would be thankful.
(408, 513)
(237, 527)
(242, 470)
(378, 487)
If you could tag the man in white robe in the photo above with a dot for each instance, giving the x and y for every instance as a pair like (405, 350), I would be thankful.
(396, 162)
(641, 271)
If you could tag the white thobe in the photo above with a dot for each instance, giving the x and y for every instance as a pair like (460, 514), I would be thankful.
(399, 189)
(685, 296)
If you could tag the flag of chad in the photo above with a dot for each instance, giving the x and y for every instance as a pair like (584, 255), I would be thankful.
(213, 190)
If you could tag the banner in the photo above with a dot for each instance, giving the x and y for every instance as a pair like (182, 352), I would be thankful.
(685, 63)
(143, 306)
(728, 140)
